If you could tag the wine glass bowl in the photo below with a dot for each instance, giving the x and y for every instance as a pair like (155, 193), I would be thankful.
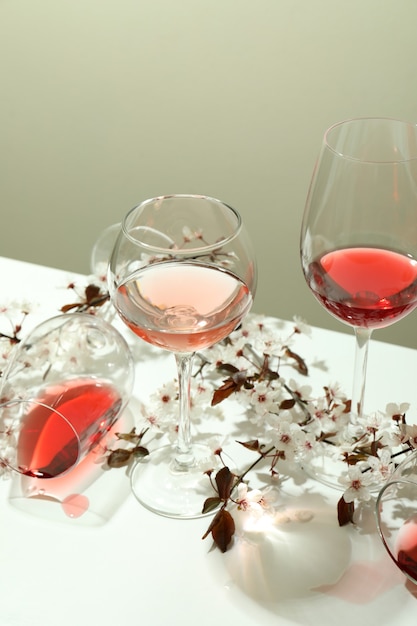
(396, 514)
(182, 276)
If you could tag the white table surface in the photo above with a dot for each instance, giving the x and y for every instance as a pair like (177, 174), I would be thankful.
(140, 568)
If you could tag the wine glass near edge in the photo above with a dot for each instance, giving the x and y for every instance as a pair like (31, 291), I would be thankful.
(359, 231)
(396, 516)
(182, 276)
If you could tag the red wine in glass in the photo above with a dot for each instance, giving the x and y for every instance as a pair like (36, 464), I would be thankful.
(50, 445)
(363, 286)
(406, 548)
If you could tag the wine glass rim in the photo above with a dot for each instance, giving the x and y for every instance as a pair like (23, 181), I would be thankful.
(206, 248)
(354, 120)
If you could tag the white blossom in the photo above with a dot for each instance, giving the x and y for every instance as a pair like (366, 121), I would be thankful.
(263, 398)
(409, 434)
(287, 437)
(358, 484)
(382, 465)
(253, 500)
(301, 326)
(393, 408)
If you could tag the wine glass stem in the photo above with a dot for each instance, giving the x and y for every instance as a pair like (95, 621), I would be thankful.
(362, 336)
(184, 457)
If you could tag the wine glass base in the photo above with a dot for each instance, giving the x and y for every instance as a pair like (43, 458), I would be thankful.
(167, 489)
(330, 471)
(326, 471)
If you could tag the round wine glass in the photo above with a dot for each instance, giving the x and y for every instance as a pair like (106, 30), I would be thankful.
(182, 276)
(359, 232)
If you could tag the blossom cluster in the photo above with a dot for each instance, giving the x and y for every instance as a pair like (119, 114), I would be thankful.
(12, 317)
(294, 424)
(258, 366)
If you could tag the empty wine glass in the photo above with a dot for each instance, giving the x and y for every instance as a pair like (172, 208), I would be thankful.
(359, 232)
(182, 276)
(396, 513)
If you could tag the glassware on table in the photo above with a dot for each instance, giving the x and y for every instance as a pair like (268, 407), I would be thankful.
(64, 388)
(359, 233)
(182, 276)
(102, 249)
(396, 513)
(99, 262)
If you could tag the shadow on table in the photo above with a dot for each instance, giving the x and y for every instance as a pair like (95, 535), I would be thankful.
(301, 566)
(287, 555)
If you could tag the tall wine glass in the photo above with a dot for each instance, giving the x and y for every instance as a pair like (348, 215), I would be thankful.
(182, 276)
(359, 231)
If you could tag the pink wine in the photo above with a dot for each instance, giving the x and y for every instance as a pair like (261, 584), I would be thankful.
(47, 445)
(368, 287)
(406, 548)
(183, 307)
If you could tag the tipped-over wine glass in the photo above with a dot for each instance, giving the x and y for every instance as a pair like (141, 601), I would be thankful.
(182, 276)
(359, 232)
(65, 386)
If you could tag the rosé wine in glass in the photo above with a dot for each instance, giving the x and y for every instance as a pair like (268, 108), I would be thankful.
(358, 241)
(182, 276)
(182, 307)
(358, 244)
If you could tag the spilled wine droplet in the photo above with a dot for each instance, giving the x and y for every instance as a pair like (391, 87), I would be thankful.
(75, 505)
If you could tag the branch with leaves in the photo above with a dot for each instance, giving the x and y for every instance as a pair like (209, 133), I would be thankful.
(291, 423)
(263, 371)
(91, 298)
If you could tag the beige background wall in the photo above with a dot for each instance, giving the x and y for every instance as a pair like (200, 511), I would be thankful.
(107, 102)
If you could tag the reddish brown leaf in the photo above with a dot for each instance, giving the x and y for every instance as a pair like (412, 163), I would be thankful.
(345, 511)
(118, 458)
(375, 446)
(211, 526)
(227, 367)
(224, 392)
(287, 404)
(348, 405)
(251, 445)
(69, 307)
(324, 435)
(352, 459)
(232, 384)
(222, 529)
(140, 451)
(91, 292)
(224, 481)
(132, 436)
(270, 374)
(211, 504)
(94, 296)
(301, 365)
(265, 372)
